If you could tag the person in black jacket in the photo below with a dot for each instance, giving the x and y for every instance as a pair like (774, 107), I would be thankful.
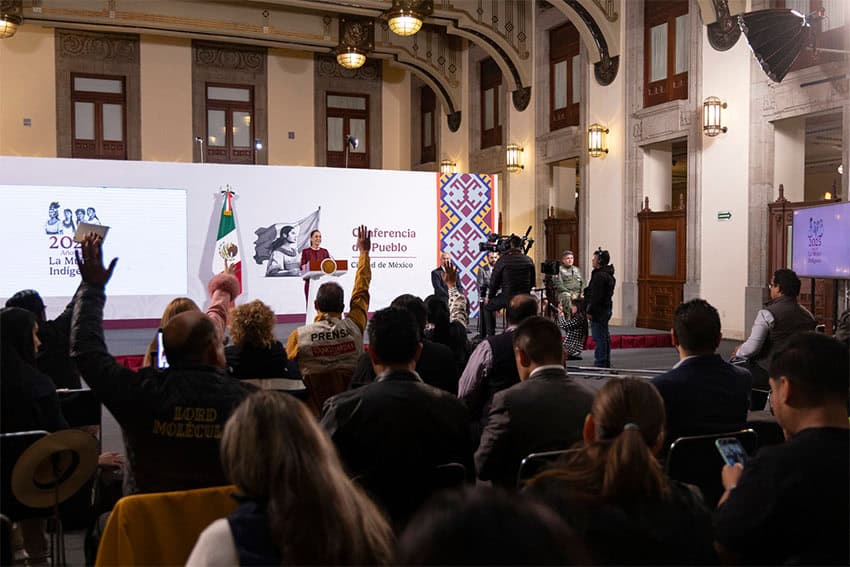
(597, 296)
(393, 433)
(28, 395)
(513, 275)
(53, 357)
(172, 420)
(435, 365)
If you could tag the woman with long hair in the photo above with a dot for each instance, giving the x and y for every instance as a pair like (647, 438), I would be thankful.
(29, 400)
(613, 491)
(297, 505)
(223, 289)
(255, 352)
(175, 307)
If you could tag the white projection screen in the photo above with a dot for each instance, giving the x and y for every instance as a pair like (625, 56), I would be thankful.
(164, 219)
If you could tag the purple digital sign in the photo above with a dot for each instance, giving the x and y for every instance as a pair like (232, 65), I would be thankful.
(821, 241)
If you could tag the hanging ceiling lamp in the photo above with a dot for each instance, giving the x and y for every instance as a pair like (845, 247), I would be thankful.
(350, 58)
(356, 37)
(10, 18)
(405, 17)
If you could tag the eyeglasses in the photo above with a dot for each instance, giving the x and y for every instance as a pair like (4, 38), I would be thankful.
(770, 402)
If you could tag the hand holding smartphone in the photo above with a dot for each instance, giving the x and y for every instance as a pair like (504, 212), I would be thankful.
(731, 450)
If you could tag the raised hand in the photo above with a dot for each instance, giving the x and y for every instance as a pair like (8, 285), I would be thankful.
(449, 273)
(364, 239)
(90, 262)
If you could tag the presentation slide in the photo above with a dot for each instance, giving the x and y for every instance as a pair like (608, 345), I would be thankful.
(148, 226)
(821, 241)
(164, 221)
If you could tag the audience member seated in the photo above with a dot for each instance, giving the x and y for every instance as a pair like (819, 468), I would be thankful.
(702, 393)
(842, 329)
(175, 307)
(29, 400)
(327, 350)
(255, 353)
(223, 289)
(296, 505)
(393, 432)
(447, 321)
(171, 419)
(614, 492)
(544, 412)
(492, 368)
(574, 327)
(53, 356)
(483, 526)
(781, 319)
(790, 504)
(436, 365)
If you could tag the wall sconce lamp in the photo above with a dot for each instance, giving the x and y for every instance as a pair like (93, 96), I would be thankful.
(596, 140)
(827, 196)
(514, 152)
(448, 167)
(711, 120)
(258, 145)
(405, 17)
(356, 38)
(10, 18)
(840, 169)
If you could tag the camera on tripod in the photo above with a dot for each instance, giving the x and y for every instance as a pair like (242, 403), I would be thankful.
(501, 244)
(550, 267)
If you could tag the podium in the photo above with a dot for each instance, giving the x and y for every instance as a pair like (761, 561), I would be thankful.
(316, 274)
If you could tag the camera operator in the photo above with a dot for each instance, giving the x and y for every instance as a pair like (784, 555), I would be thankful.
(513, 274)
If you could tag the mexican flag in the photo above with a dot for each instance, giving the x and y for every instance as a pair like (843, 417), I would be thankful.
(226, 245)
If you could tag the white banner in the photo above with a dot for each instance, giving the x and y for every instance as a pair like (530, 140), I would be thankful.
(149, 238)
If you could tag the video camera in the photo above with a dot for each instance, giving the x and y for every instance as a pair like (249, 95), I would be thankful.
(550, 267)
(501, 244)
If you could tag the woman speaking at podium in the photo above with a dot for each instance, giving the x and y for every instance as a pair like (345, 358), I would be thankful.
(315, 253)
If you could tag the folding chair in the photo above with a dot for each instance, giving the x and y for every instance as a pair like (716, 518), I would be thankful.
(537, 462)
(161, 528)
(696, 460)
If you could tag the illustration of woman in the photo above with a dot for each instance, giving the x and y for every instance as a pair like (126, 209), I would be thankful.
(284, 259)
(53, 224)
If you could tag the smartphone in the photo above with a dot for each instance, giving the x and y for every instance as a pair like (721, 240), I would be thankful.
(161, 361)
(731, 450)
(84, 228)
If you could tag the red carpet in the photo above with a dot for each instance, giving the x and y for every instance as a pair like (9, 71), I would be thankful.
(635, 341)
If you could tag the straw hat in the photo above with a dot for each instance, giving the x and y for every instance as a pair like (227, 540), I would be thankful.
(58, 464)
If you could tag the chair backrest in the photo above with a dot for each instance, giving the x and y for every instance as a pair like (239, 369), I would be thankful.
(325, 385)
(537, 462)
(696, 460)
(7, 548)
(80, 407)
(12, 445)
(161, 528)
(758, 399)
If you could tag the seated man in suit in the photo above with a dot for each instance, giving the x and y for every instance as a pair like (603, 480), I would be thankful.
(702, 393)
(436, 365)
(391, 434)
(544, 412)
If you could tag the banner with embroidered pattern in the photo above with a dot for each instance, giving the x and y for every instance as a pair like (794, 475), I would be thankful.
(466, 216)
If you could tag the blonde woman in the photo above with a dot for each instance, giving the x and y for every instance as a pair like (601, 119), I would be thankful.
(223, 289)
(255, 352)
(297, 505)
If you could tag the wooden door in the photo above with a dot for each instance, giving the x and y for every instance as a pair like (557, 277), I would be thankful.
(661, 267)
(561, 235)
